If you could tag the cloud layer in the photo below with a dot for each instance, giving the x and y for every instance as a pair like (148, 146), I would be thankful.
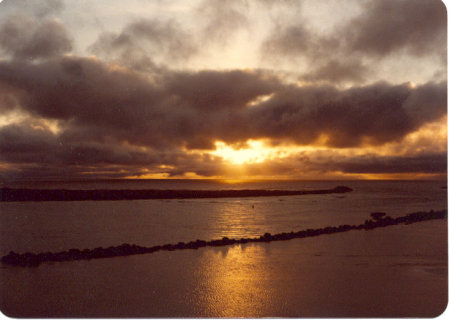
(137, 107)
(97, 100)
(24, 38)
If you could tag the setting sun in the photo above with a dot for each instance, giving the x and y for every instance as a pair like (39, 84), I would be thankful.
(254, 151)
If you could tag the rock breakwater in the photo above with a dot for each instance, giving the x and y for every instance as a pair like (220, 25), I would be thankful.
(380, 220)
(8, 194)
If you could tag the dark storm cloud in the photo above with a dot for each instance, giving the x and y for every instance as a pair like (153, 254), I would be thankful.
(373, 114)
(312, 164)
(386, 26)
(99, 101)
(215, 90)
(427, 163)
(195, 109)
(327, 163)
(24, 38)
(78, 89)
(107, 115)
(21, 143)
(36, 152)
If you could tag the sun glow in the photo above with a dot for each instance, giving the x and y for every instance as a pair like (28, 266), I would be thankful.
(254, 151)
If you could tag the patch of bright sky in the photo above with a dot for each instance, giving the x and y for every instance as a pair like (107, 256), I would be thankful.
(400, 68)
(333, 12)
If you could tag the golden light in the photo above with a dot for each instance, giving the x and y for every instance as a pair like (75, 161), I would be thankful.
(411, 85)
(16, 117)
(239, 274)
(47, 125)
(12, 117)
(431, 137)
(260, 99)
(260, 159)
(255, 151)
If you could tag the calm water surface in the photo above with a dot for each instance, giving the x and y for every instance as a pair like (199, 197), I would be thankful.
(396, 271)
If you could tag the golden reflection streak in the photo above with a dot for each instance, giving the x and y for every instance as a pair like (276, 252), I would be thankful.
(236, 282)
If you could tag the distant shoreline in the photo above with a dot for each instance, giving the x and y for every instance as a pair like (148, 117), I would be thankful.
(15, 195)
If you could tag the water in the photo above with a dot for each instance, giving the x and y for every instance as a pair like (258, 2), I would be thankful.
(395, 271)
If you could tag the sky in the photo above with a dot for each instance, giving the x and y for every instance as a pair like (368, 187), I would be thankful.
(223, 89)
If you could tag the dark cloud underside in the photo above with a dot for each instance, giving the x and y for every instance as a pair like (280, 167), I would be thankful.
(199, 108)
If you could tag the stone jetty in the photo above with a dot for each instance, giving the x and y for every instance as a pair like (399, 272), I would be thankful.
(380, 220)
(9, 194)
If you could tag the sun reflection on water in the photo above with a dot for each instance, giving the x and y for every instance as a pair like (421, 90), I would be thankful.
(235, 282)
